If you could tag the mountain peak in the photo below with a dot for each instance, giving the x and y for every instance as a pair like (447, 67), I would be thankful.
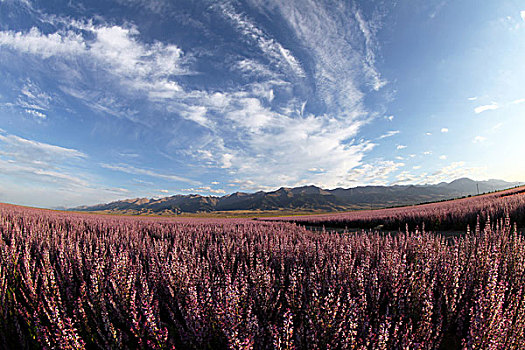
(307, 198)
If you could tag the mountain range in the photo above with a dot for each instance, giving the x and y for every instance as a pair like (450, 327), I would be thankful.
(303, 199)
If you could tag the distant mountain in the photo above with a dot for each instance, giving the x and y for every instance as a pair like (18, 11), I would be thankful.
(306, 198)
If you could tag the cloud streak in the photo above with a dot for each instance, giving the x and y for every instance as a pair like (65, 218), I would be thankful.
(139, 171)
(484, 108)
(389, 134)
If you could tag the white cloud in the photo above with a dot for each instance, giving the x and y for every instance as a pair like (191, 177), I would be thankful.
(427, 153)
(243, 132)
(197, 114)
(389, 134)
(442, 157)
(24, 149)
(390, 117)
(33, 100)
(36, 113)
(370, 70)
(139, 66)
(139, 171)
(376, 173)
(415, 167)
(428, 133)
(47, 175)
(453, 171)
(522, 14)
(342, 56)
(484, 108)
(518, 101)
(401, 147)
(253, 67)
(444, 130)
(203, 189)
(448, 173)
(474, 98)
(497, 126)
(479, 139)
(35, 42)
(268, 46)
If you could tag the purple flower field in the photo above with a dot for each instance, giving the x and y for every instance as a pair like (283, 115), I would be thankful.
(439, 216)
(72, 281)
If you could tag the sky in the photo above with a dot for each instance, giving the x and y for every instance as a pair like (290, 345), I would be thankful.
(114, 99)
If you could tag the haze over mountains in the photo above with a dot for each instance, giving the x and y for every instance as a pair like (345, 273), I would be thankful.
(306, 198)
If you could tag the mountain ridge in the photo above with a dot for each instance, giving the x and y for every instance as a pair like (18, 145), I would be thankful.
(303, 198)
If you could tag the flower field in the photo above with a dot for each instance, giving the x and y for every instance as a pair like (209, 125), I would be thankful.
(447, 215)
(72, 281)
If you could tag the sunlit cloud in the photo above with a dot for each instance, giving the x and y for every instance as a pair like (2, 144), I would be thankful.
(444, 130)
(484, 108)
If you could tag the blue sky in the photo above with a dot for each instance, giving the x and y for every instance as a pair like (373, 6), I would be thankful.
(104, 100)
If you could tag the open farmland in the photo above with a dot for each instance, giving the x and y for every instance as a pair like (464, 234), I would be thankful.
(441, 216)
(87, 281)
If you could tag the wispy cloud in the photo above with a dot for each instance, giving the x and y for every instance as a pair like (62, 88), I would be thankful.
(447, 173)
(497, 127)
(137, 65)
(389, 134)
(474, 98)
(268, 46)
(340, 54)
(43, 174)
(444, 130)
(453, 171)
(139, 171)
(437, 9)
(484, 108)
(377, 173)
(370, 45)
(401, 147)
(479, 139)
(204, 189)
(252, 130)
(21, 148)
(522, 14)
